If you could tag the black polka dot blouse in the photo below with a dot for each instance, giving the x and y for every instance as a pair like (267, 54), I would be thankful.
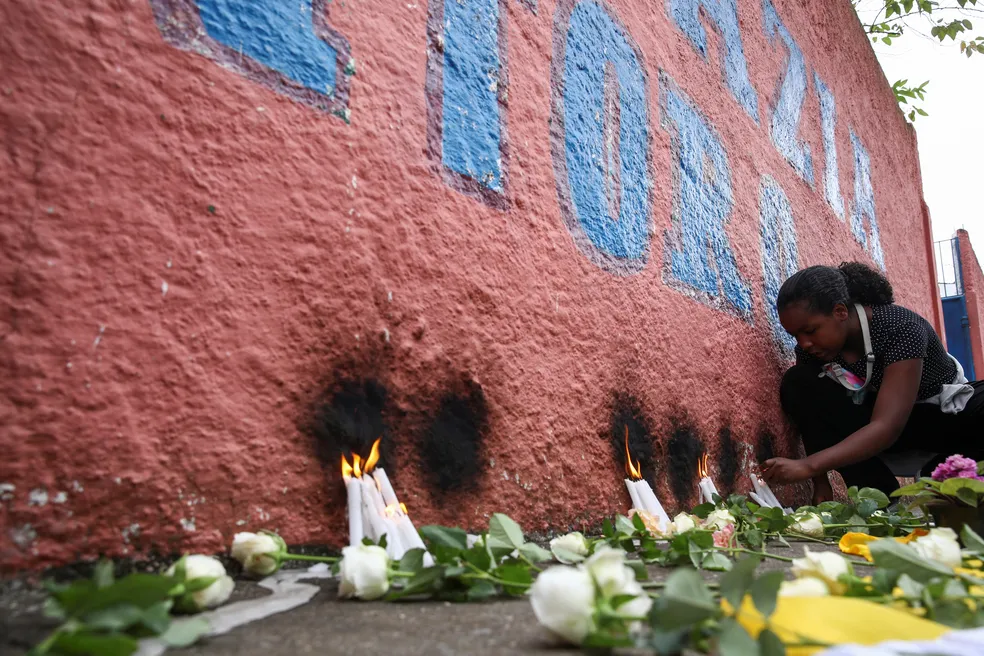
(899, 334)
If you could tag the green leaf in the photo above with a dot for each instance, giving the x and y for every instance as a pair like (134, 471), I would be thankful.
(716, 561)
(503, 529)
(687, 601)
(621, 600)
(951, 486)
(736, 583)
(972, 540)
(909, 586)
(142, 590)
(703, 510)
(770, 644)
(565, 555)
(535, 553)
(607, 529)
(640, 526)
(968, 496)
(765, 591)
(412, 561)
(87, 643)
(893, 555)
(515, 574)
(753, 537)
(114, 618)
(185, 632)
(425, 580)
(624, 525)
(102, 575)
(199, 583)
(478, 556)
(867, 508)
(157, 618)
(446, 536)
(481, 590)
(639, 569)
(879, 497)
(384, 541)
(910, 489)
(735, 641)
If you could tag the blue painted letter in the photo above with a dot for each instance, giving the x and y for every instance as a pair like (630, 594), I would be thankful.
(779, 257)
(789, 98)
(724, 15)
(285, 46)
(699, 255)
(828, 125)
(466, 79)
(601, 139)
(864, 204)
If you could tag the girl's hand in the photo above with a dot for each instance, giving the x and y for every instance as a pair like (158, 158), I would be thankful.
(784, 470)
(822, 490)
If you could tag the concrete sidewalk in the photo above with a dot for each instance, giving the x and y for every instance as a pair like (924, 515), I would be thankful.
(326, 625)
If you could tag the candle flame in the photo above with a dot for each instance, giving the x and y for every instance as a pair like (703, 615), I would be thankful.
(396, 509)
(633, 470)
(373, 457)
(702, 469)
(360, 466)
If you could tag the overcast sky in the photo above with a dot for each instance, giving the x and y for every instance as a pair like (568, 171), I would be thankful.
(951, 138)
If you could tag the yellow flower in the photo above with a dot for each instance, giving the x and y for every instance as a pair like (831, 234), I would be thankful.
(837, 620)
(856, 544)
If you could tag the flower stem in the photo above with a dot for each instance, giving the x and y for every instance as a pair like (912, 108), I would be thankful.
(313, 559)
(753, 553)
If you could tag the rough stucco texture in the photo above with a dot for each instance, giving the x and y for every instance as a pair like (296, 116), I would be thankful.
(511, 217)
(973, 283)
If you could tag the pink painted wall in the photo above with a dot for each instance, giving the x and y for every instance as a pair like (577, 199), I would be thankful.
(973, 280)
(192, 255)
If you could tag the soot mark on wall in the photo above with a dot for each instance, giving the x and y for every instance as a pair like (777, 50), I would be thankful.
(683, 450)
(727, 460)
(627, 415)
(765, 446)
(347, 418)
(453, 441)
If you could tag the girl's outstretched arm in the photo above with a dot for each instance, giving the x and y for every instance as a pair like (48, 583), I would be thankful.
(898, 393)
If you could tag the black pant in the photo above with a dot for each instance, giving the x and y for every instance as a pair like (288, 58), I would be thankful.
(824, 414)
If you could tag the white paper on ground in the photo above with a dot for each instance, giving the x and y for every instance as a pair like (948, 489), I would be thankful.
(954, 643)
(288, 593)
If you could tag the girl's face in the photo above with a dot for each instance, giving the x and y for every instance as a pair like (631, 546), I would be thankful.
(821, 335)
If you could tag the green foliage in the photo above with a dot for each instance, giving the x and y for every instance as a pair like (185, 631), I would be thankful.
(106, 615)
(946, 19)
(962, 491)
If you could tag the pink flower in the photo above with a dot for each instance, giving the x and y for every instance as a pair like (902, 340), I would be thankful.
(956, 466)
(723, 537)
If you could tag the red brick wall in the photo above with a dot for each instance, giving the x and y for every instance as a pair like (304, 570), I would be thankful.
(197, 249)
(973, 280)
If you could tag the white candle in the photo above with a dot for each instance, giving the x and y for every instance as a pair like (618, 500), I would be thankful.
(759, 500)
(354, 492)
(652, 503)
(634, 494)
(376, 521)
(385, 489)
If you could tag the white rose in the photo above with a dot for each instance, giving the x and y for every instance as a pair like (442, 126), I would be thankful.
(563, 600)
(608, 569)
(569, 548)
(201, 567)
(364, 572)
(823, 565)
(683, 523)
(719, 519)
(638, 607)
(808, 524)
(805, 587)
(940, 545)
(259, 554)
